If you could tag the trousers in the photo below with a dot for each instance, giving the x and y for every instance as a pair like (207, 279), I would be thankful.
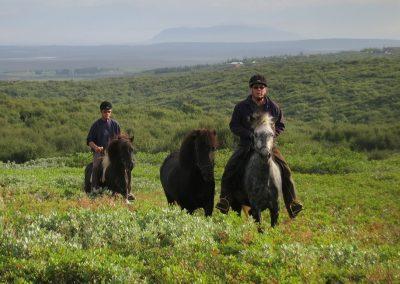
(96, 175)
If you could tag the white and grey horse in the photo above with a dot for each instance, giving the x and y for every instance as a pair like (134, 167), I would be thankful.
(262, 178)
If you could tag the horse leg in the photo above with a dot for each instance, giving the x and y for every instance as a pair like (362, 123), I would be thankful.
(127, 185)
(97, 170)
(129, 182)
(130, 196)
(256, 214)
(171, 201)
(88, 177)
(236, 207)
(209, 207)
(274, 212)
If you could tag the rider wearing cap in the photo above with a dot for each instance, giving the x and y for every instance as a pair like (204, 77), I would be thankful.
(240, 125)
(100, 134)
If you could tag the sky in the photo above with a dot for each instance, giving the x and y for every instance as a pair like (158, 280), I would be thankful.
(92, 22)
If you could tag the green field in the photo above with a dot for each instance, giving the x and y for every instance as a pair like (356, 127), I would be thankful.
(52, 232)
(341, 141)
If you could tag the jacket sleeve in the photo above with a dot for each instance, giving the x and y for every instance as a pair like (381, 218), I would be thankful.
(280, 123)
(91, 135)
(236, 124)
(118, 129)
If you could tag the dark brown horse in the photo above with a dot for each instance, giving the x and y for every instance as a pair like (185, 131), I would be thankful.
(187, 176)
(115, 170)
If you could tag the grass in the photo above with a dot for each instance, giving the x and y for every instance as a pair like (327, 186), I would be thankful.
(50, 231)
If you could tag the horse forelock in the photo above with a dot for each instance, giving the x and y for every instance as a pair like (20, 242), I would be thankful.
(187, 154)
(117, 141)
(264, 121)
(208, 137)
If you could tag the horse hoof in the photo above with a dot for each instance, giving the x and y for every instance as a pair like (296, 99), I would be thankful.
(127, 201)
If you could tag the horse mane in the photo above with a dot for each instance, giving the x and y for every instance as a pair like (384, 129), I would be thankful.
(263, 118)
(187, 155)
(113, 146)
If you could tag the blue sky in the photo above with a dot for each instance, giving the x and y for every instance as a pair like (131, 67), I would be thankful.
(31, 22)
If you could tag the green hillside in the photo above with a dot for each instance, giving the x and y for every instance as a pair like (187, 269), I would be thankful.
(347, 98)
(341, 142)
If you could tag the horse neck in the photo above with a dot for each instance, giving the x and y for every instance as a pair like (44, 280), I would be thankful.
(187, 154)
(258, 167)
(114, 160)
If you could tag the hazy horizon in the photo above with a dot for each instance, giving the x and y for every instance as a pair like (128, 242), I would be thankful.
(115, 22)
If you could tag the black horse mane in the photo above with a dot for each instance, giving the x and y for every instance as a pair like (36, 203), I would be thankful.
(115, 144)
(187, 155)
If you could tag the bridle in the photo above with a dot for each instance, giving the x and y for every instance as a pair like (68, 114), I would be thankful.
(259, 150)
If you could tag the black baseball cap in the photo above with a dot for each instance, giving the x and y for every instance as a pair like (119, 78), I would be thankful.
(105, 105)
(257, 79)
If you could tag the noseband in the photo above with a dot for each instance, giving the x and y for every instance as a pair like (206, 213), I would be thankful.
(259, 152)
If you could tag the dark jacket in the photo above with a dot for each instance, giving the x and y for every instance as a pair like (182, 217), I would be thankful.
(240, 124)
(102, 131)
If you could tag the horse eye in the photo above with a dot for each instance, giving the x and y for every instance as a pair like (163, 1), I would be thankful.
(213, 148)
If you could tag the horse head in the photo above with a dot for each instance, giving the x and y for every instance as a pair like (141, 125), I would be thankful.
(264, 133)
(198, 149)
(120, 152)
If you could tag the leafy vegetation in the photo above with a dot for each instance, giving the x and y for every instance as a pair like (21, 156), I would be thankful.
(320, 93)
(51, 231)
(342, 115)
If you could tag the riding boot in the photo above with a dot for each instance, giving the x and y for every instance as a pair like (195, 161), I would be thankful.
(225, 198)
(293, 206)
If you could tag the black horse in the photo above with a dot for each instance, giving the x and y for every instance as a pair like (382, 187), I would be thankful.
(261, 181)
(115, 170)
(187, 176)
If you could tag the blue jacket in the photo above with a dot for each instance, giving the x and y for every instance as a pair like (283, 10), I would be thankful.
(240, 124)
(102, 132)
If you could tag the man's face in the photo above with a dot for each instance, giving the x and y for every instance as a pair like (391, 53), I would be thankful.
(106, 114)
(258, 92)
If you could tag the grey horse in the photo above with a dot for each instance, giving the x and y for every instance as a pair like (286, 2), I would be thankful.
(262, 178)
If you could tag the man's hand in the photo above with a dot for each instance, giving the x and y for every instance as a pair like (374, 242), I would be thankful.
(98, 149)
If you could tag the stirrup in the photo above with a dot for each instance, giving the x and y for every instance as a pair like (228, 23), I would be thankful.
(223, 205)
(130, 197)
(296, 208)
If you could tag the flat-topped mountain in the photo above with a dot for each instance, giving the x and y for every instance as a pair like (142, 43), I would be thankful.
(224, 34)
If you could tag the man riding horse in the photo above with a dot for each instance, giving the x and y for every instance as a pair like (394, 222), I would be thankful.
(100, 134)
(240, 125)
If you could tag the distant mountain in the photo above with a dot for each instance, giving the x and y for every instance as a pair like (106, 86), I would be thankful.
(159, 55)
(224, 34)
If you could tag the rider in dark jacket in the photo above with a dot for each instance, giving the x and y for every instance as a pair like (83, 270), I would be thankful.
(100, 134)
(240, 125)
